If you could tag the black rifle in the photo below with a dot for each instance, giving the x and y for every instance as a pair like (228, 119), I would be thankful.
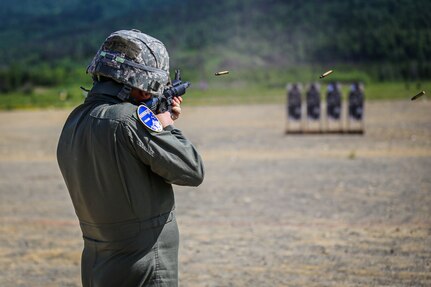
(163, 103)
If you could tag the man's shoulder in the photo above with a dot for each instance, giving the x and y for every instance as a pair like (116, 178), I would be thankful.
(123, 112)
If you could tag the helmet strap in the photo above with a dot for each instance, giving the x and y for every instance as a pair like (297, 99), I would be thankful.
(124, 93)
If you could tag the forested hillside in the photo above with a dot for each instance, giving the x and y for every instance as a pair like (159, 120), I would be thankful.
(42, 42)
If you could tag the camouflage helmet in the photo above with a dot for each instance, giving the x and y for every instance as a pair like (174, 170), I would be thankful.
(134, 59)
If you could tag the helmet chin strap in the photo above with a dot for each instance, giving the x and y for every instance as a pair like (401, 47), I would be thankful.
(125, 93)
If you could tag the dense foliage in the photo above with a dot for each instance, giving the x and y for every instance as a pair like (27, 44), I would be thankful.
(44, 42)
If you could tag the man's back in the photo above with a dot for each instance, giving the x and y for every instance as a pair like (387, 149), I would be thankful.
(110, 163)
(119, 169)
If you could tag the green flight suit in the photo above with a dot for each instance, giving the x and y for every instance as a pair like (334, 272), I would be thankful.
(119, 175)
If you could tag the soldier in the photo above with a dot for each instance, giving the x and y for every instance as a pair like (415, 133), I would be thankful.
(119, 168)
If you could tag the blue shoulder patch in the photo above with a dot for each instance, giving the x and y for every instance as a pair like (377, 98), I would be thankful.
(149, 119)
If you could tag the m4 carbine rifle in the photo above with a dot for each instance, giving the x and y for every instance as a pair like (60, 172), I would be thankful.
(163, 103)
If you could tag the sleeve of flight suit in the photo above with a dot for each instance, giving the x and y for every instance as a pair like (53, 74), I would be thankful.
(168, 153)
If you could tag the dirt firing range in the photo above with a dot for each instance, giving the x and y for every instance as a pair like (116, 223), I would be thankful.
(274, 209)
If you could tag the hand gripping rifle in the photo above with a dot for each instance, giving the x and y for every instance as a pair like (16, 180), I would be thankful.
(163, 103)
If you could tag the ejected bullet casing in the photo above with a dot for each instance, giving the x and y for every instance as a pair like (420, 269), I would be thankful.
(222, 73)
(325, 74)
(418, 95)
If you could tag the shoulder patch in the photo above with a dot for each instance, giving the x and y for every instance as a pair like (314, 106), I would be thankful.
(149, 119)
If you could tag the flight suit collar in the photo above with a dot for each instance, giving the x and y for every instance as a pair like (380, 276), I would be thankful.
(108, 90)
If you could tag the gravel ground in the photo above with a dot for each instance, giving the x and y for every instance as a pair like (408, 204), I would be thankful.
(274, 209)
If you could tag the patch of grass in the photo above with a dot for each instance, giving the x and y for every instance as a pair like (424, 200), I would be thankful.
(234, 95)
(397, 90)
(220, 91)
(351, 155)
(42, 98)
(245, 94)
